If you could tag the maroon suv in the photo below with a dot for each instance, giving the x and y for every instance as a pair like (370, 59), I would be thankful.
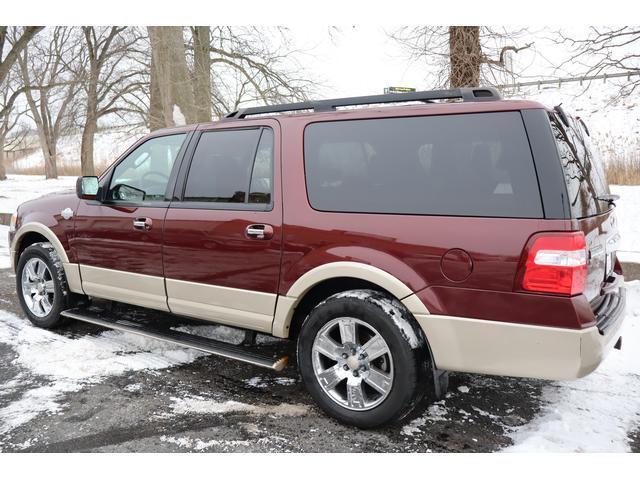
(462, 233)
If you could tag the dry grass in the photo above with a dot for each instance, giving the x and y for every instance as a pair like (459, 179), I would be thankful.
(64, 169)
(623, 173)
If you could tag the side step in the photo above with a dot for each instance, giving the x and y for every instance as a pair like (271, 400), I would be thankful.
(204, 344)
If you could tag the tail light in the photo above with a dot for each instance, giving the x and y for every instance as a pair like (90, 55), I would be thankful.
(555, 263)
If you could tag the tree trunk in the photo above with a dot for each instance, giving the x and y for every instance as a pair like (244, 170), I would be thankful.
(49, 153)
(202, 73)
(3, 171)
(90, 127)
(171, 88)
(86, 149)
(465, 56)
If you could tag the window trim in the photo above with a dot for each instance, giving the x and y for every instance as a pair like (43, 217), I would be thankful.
(108, 176)
(524, 125)
(181, 185)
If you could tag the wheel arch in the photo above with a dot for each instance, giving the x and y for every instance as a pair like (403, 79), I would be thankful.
(331, 278)
(34, 232)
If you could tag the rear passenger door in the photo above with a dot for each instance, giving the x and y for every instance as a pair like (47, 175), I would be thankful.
(223, 229)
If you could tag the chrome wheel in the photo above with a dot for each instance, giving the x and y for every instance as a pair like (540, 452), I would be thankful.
(38, 289)
(352, 363)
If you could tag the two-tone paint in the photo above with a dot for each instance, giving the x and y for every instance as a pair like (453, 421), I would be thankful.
(457, 275)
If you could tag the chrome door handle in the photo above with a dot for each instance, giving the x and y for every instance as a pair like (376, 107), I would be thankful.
(142, 223)
(259, 231)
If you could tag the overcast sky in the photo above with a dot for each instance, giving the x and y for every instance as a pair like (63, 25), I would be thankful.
(362, 59)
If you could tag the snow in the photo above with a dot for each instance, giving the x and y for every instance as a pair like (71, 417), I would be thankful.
(595, 413)
(17, 189)
(108, 146)
(4, 247)
(614, 124)
(208, 406)
(67, 364)
(268, 382)
(178, 117)
(628, 214)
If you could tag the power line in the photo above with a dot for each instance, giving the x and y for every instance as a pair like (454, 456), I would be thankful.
(560, 81)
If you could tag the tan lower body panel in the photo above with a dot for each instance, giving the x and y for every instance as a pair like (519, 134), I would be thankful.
(134, 288)
(231, 306)
(72, 272)
(499, 348)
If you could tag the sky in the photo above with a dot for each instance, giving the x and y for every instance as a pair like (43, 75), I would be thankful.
(363, 60)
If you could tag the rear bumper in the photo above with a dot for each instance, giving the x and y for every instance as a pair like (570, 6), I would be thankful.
(519, 350)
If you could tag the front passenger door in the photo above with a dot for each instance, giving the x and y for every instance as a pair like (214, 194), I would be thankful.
(119, 241)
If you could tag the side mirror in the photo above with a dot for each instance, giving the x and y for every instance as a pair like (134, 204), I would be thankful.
(87, 188)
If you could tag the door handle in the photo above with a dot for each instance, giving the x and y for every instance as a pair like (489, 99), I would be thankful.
(259, 231)
(142, 223)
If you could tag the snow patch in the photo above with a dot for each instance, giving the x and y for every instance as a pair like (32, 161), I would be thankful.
(266, 382)
(178, 117)
(463, 389)
(436, 412)
(67, 364)
(5, 261)
(207, 406)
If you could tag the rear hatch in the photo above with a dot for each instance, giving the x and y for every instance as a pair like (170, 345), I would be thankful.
(592, 207)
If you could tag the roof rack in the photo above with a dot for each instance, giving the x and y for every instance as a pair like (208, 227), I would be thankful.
(464, 94)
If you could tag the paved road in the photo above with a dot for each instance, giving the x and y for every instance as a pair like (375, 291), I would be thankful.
(204, 403)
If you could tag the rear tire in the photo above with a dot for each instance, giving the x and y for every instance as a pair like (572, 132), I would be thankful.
(42, 285)
(363, 358)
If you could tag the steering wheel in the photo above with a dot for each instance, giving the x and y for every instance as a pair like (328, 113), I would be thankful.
(159, 174)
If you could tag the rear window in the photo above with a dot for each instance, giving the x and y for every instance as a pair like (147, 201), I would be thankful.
(467, 165)
(582, 168)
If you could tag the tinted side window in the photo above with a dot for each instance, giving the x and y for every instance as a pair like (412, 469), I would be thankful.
(470, 165)
(582, 170)
(262, 175)
(223, 167)
(144, 174)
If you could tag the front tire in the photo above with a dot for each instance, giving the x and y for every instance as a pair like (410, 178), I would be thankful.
(41, 285)
(363, 359)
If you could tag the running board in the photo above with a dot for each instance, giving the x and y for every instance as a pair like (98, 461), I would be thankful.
(204, 344)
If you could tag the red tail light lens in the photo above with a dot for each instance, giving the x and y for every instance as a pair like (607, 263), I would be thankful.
(556, 263)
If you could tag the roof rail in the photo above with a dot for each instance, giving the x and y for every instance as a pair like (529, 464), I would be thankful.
(464, 94)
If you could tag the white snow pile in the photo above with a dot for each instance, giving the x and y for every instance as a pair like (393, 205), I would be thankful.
(68, 364)
(627, 214)
(597, 412)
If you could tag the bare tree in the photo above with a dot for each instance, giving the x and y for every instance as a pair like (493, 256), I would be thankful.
(604, 50)
(50, 89)
(463, 56)
(19, 42)
(258, 65)
(108, 78)
(12, 130)
(20, 38)
(218, 68)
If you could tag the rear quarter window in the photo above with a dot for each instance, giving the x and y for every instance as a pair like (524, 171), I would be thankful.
(583, 173)
(464, 164)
